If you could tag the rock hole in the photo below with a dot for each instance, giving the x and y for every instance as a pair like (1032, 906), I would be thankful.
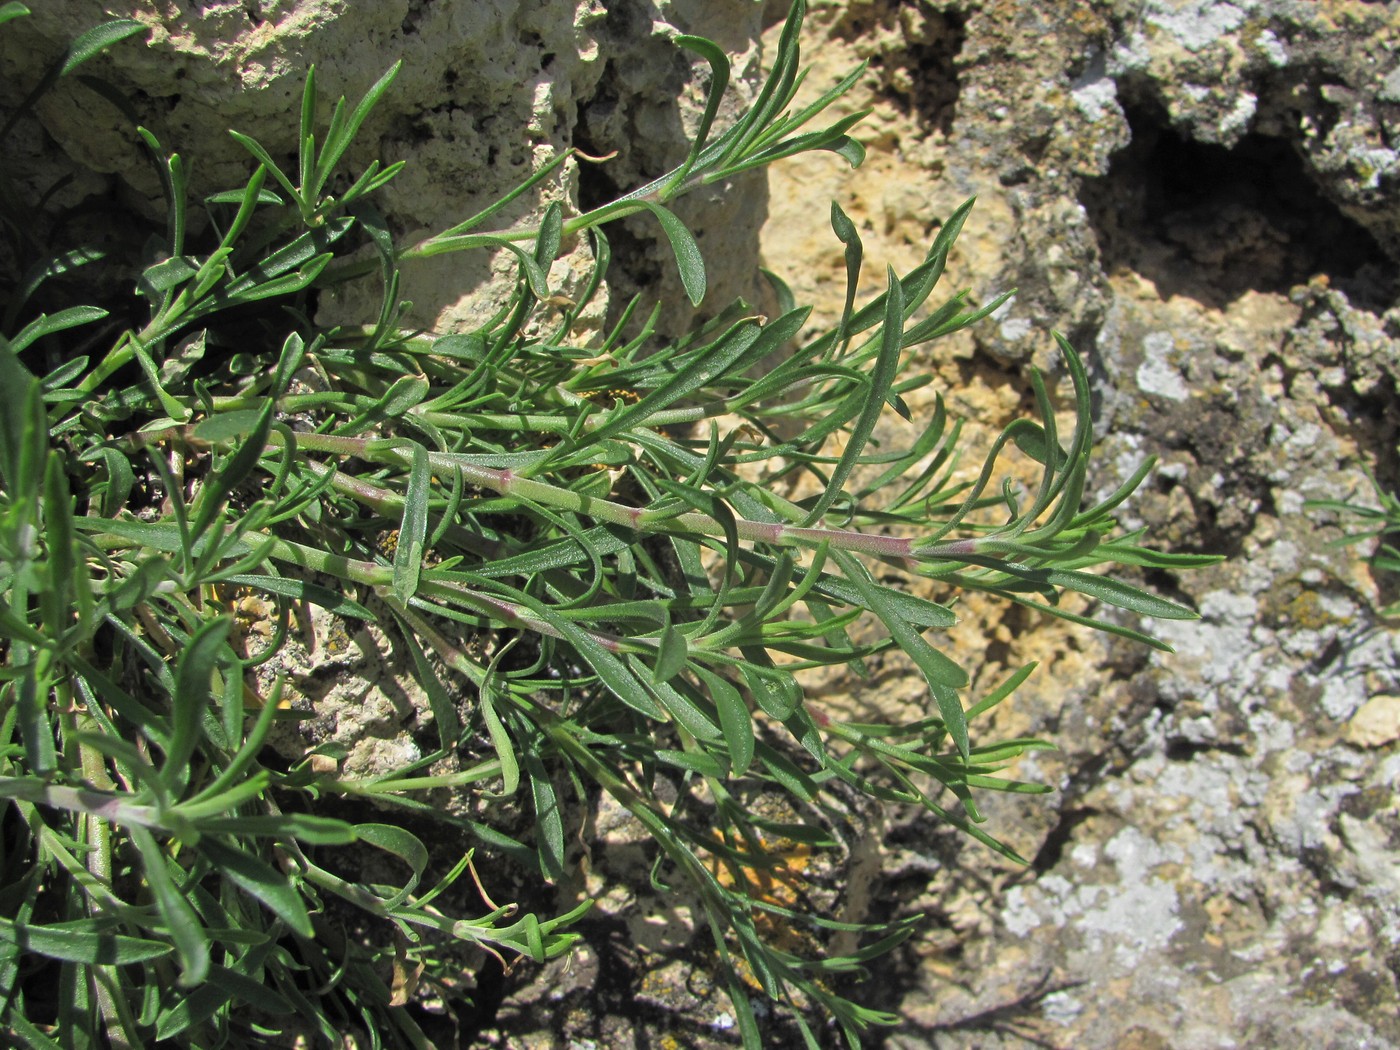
(413, 16)
(921, 78)
(1179, 749)
(1052, 850)
(1211, 223)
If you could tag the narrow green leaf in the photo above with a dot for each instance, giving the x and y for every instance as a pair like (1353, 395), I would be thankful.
(848, 235)
(249, 292)
(611, 671)
(182, 924)
(212, 500)
(549, 819)
(500, 739)
(683, 708)
(95, 40)
(23, 427)
(260, 881)
(306, 140)
(1001, 692)
(12, 10)
(193, 677)
(314, 831)
(225, 426)
(671, 654)
(336, 144)
(692, 761)
(120, 480)
(160, 278)
(35, 727)
(48, 324)
(1031, 439)
(551, 233)
(404, 393)
(714, 95)
(1120, 594)
(81, 941)
(261, 155)
(687, 252)
(288, 362)
(851, 150)
(441, 703)
(263, 196)
(773, 689)
(141, 352)
(413, 529)
(783, 770)
(886, 365)
(402, 844)
(734, 719)
(719, 358)
(300, 252)
(64, 582)
(63, 374)
(943, 676)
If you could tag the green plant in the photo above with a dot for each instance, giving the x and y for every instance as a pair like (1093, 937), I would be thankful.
(590, 567)
(1374, 523)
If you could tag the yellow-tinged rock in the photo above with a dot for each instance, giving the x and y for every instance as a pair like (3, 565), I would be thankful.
(1375, 724)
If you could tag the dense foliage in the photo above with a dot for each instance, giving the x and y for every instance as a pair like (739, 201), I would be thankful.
(583, 547)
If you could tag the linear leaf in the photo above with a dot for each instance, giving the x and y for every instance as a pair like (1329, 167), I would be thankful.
(96, 39)
(549, 821)
(714, 95)
(182, 924)
(313, 830)
(48, 324)
(402, 844)
(943, 676)
(413, 528)
(500, 739)
(881, 377)
(193, 676)
(343, 135)
(81, 941)
(687, 252)
(261, 881)
(734, 719)
(671, 654)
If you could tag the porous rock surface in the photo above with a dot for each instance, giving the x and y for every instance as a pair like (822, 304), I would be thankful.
(1203, 196)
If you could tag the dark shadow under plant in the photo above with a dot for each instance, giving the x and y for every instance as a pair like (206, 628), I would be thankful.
(607, 517)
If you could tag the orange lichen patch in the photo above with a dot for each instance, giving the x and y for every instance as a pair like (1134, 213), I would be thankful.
(777, 877)
(598, 397)
(387, 543)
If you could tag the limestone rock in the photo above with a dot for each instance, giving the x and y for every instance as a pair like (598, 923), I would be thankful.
(1197, 193)
(1376, 722)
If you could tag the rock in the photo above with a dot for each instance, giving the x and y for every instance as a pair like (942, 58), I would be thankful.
(1189, 191)
(488, 92)
(1375, 724)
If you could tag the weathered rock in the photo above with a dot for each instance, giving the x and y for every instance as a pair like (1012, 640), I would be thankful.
(1199, 194)
(487, 93)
